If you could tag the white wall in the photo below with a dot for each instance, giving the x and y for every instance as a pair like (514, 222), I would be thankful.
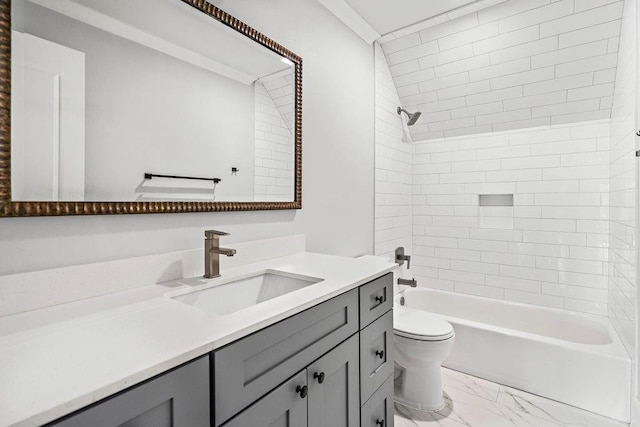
(549, 249)
(623, 232)
(518, 64)
(338, 171)
(394, 156)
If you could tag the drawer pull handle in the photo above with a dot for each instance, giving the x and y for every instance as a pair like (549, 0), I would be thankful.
(380, 423)
(379, 299)
(380, 354)
(319, 377)
(302, 391)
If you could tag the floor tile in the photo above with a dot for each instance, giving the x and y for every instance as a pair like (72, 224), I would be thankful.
(474, 402)
(540, 407)
(457, 380)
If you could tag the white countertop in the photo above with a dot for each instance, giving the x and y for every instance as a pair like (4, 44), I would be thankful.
(60, 363)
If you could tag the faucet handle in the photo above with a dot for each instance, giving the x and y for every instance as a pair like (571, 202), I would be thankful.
(401, 257)
(214, 234)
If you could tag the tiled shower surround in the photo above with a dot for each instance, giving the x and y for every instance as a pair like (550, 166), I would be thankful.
(622, 236)
(517, 64)
(273, 169)
(393, 168)
(549, 248)
(569, 240)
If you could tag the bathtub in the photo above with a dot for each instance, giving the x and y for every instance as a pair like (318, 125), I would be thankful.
(570, 357)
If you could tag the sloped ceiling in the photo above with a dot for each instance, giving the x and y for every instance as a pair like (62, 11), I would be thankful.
(517, 64)
(387, 16)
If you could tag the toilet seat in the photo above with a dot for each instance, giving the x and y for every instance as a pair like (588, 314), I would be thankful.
(419, 325)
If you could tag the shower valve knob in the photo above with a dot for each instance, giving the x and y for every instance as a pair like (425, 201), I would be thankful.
(401, 257)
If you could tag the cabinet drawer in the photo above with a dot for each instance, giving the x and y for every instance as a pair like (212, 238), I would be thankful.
(249, 368)
(378, 410)
(376, 298)
(376, 355)
(179, 397)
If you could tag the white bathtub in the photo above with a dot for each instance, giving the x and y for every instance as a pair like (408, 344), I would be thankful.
(565, 356)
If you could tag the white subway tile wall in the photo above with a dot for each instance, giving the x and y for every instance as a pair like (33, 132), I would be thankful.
(549, 249)
(622, 235)
(518, 64)
(280, 89)
(393, 168)
(274, 160)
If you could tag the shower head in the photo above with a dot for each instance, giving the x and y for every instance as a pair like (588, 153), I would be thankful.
(413, 117)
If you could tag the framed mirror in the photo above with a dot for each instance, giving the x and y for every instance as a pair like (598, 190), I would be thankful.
(144, 106)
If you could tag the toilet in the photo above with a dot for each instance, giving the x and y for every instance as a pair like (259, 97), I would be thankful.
(422, 341)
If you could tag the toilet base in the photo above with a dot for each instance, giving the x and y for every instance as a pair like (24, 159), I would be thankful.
(421, 388)
(414, 405)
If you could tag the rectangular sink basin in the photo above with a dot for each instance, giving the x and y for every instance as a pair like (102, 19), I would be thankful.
(246, 292)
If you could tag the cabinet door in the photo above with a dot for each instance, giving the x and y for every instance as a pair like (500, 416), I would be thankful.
(378, 410)
(179, 398)
(286, 406)
(333, 387)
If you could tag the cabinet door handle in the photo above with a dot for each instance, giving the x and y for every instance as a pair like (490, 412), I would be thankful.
(380, 354)
(302, 391)
(379, 299)
(380, 423)
(319, 377)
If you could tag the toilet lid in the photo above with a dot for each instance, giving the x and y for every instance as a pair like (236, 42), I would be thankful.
(420, 325)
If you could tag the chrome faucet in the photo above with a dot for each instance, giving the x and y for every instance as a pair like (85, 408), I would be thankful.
(212, 251)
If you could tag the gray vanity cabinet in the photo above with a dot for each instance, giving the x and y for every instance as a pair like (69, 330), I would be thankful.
(344, 346)
(174, 399)
(376, 352)
(328, 366)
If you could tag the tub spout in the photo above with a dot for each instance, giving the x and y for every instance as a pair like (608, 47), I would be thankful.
(407, 282)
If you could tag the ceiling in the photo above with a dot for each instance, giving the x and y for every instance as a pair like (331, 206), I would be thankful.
(385, 16)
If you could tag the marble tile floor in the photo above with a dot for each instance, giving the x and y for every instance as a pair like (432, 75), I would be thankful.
(475, 402)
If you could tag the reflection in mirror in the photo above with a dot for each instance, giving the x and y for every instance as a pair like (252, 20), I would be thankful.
(107, 95)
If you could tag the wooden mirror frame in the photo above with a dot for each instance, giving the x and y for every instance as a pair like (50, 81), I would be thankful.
(9, 208)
